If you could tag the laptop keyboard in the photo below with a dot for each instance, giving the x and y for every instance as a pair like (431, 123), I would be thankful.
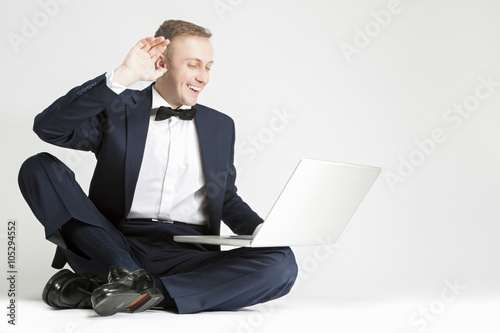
(245, 237)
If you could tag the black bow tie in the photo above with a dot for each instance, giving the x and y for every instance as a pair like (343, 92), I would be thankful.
(165, 112)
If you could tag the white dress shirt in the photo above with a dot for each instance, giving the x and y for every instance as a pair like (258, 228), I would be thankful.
(171, 183)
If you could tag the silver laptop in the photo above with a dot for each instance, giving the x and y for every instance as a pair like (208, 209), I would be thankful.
(315, 206)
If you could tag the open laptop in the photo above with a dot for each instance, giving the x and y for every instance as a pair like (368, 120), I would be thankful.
(314, 207)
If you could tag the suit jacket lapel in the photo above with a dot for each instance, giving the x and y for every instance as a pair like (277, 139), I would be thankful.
(137, 118)
(208, 146)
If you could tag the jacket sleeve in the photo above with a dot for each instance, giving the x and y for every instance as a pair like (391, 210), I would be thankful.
(76, 120)
(235, 212)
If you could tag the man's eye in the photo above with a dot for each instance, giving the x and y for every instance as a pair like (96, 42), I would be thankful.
(191, 65)
(207, 68)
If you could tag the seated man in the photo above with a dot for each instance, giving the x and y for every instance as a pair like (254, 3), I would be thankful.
(163, 169)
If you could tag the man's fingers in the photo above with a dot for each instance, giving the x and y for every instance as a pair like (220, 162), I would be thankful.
(158, 48)
(145, 42)
(151, 42)
(153, 46)
(159, 45)
(140, 60)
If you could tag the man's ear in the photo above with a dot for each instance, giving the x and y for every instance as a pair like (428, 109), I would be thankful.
(161, 62)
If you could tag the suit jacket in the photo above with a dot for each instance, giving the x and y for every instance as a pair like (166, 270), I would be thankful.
(91, 117)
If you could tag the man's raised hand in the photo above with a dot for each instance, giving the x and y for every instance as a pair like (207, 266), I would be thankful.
(140, 61)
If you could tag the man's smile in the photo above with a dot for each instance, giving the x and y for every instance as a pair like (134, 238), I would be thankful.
(194, 88)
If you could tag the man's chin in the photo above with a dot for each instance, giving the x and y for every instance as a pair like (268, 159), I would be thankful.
(191, 103)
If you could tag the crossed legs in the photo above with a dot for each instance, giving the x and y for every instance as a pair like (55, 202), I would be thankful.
(190, 277)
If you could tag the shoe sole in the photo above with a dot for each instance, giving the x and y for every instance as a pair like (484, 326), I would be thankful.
(51, 286)
(133, 302)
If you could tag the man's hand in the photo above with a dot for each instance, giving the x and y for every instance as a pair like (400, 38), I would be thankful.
(140, 61)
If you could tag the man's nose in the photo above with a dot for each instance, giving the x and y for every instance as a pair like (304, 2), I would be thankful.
(202, 76)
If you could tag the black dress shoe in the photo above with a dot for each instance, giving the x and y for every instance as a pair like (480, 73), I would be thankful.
(67, 290)
(130, 291)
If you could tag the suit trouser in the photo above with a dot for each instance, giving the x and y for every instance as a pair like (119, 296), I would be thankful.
(196, 278)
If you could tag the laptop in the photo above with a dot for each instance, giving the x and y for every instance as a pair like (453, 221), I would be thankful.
(313, 208)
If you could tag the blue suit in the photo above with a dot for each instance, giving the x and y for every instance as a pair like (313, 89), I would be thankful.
(114, 127)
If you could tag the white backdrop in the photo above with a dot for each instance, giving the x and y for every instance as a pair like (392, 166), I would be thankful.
(412, 86)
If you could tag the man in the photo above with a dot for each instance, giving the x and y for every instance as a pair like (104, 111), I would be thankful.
(163, 169)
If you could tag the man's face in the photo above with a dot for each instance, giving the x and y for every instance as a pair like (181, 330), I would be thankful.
(188, 67)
